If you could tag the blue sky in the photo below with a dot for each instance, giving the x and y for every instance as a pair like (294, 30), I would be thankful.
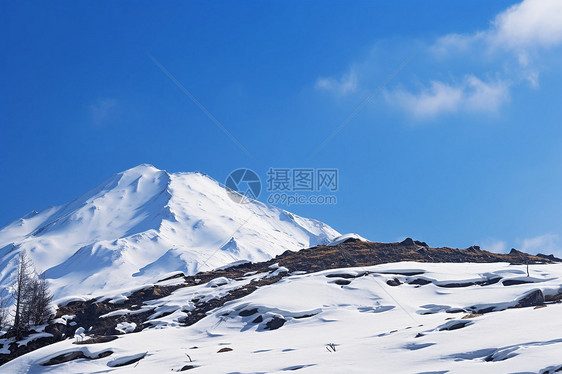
(462, 146)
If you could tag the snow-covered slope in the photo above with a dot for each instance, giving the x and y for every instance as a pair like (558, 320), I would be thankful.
(145, 222)
(392, 318)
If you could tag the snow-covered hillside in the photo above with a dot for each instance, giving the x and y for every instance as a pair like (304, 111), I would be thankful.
(145, 222)
(393, 318)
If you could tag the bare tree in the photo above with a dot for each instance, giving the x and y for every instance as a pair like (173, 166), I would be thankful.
(19, 294)
(3, 309)
(38, 301)
(31, 296)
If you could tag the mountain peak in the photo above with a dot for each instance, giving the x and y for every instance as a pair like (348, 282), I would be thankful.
(143, 222)
(141, 171)
(141, 168)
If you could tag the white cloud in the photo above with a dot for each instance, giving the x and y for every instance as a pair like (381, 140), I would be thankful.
(530, 24)
(472, 94)
(485, 96)
(521, 31)
(102, 110)
(456, 43)
(546, 244)
(342, 86)
(438, 98)
(506, 51)
(493, 245)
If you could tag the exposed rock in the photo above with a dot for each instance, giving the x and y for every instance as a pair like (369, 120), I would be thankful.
(345, 275)
(489, 281)
(393, 282)
(515, 252)
(514, 282)
(455, 310)
(484, 310)
(454, 325)
(275, 323)
(188, 367)
(124, 361)
(405, 272)
(550, 257)
(248, 312)
(533, 298)
(74, 355)
(66, 357)
(178, 275)
(408, 242)
(556, 297)
(419, 281)
(225, 349)
(305, 316)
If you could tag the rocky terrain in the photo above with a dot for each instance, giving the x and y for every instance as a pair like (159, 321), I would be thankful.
(182, 301)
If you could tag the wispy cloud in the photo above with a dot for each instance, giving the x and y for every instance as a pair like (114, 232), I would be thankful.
(488, 64)
(344, 85)
(102, 110)
(515, 34)
(522, 29)
(493, 245)
(471, 94)
(547, 244)
(439, 97)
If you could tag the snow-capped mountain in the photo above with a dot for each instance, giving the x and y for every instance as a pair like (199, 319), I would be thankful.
(143, 223)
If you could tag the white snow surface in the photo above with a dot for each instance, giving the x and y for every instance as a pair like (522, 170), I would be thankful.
(374, 327)
(145, 222)
(342, 238)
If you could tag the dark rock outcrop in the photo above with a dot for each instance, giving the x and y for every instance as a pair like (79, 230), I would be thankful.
(533, 298)
(550, 257)
(275, 323)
